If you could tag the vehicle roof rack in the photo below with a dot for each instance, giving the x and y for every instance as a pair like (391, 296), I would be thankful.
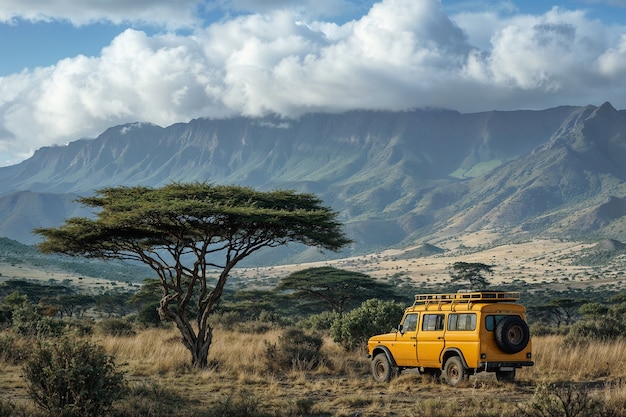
(468, 297)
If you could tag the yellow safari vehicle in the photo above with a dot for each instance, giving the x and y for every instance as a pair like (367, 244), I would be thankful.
(455, 335)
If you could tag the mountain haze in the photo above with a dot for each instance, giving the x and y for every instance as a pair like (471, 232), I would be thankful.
(396, 178)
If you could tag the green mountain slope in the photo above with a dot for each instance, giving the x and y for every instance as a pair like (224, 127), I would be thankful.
(395, 178)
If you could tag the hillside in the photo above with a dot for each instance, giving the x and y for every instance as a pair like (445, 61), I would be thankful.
(19, 261)
(396, 179)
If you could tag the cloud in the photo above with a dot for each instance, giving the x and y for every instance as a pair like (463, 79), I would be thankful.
(400, 54)
(181, 13)
(612, 63)
(561, 54)
(165, 13)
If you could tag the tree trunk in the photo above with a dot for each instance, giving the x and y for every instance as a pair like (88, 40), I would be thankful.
(200, 351)
(197, 344)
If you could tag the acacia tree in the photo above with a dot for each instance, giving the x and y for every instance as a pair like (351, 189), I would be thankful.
(192, 236)
(472, 273)
(336, 287)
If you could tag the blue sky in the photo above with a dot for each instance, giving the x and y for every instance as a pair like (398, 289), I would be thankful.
(71, 68)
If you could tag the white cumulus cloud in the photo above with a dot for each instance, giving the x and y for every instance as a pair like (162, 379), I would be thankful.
(400, 54)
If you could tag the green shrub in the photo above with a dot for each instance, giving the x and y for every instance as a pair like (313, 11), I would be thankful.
(295, 349)
(116, 327)
(11, 351)
(543, 329)
(550, 400)
(255, 327)
(226, 320)
(241, 405)
(72, 378)
(352, 330)
(593, 310)
(322, 321)
(77, 327)
(601, 329)
(25, 319)
(151, 399)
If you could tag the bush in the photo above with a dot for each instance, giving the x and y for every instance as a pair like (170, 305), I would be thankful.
(78, 327)
(151, 399)
(295, 349)
(116, 327)
(73, 378)
(226, 320)
(322, 321)
(596, 329)
(563, 401)
(148, 316)
(352, 330)
(11, 351)
(543, 329)
(241, 405)
(255, 327)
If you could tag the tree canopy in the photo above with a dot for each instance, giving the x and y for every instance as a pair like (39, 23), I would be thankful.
(338, 288)
(472, 273)
(192, 236)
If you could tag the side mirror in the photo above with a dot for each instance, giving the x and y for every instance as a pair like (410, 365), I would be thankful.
(400, 328)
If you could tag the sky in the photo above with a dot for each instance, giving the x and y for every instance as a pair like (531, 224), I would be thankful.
(70, 69)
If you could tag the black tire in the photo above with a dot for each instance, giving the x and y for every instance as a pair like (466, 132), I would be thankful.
(454, 372)
(512, 334)
(382, 370)
(505, 376)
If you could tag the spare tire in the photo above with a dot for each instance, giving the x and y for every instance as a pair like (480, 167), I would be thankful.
(512, 334)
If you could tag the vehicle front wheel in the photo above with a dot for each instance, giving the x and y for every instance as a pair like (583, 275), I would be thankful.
(382, 370)
(454, 372)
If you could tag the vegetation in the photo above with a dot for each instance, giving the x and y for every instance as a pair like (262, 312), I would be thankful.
(352, 330)
(338, 288)
(239, 382)
(187, 232)
(273, 358)
(472, 273)
(295, 349)
(16, 253)
(69, 377)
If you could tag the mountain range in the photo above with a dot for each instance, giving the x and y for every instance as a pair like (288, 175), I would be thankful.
(396, 178)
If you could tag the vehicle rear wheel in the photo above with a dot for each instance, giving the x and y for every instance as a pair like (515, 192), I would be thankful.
(454, 372)
(512, 334)
(382, 370)
(505, 376)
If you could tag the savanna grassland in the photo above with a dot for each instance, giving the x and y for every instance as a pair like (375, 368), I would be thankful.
(240, 381)
(544, 263)
(243, 378)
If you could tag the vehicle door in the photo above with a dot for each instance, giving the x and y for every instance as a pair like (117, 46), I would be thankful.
(430, 340)
(404, 350)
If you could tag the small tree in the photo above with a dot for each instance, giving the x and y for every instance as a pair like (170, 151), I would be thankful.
(564, 310)
(192, 236)
(338, 288)
(472, 273)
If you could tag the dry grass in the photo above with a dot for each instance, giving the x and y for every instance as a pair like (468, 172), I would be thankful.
(155, 361)
(557, 362)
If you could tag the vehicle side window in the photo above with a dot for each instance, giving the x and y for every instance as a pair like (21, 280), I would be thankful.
(410, 323)
(432, 322)
(492, 321)
(466, 321)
